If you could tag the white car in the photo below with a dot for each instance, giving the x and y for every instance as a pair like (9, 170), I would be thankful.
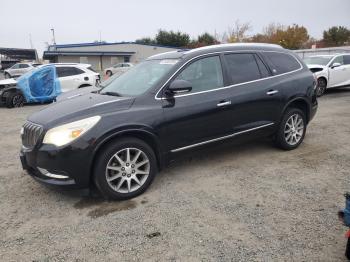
(118, 69)
(19, 69)
(74, 76)
(331, 71)
(70, 76)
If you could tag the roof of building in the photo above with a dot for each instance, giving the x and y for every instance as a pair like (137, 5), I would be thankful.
(50, 54)
(105, 43)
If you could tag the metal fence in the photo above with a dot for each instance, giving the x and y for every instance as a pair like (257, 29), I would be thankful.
(322, 51)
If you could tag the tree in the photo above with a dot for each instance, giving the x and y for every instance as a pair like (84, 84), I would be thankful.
(291, 37)
(207, 39)
(146, 40)
(238, 33)
(171, 38)
(203, 40)
(336, 36)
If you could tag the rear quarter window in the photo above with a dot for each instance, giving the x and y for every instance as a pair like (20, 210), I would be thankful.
(282, 63)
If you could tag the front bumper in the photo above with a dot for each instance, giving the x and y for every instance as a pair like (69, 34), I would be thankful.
(63, 168)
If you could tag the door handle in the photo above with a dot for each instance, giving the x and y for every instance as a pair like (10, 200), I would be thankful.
(272, 92)
(224, 103)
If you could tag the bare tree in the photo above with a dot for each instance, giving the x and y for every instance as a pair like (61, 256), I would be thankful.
(238, 33)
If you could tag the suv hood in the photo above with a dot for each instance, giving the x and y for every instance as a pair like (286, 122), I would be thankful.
(80, 107)
(9, 81)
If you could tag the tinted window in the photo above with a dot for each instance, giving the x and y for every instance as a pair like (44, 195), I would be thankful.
(68, 71)
(347, 60)
(282, 63)
(15, 66)
(242, 68)
(23, 66)
(204, 74)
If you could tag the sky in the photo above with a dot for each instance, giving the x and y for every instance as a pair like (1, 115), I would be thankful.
(81, 21)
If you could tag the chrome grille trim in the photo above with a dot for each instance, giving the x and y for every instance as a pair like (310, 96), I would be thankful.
(31, 134)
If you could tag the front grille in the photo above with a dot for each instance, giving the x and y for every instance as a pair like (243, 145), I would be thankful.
(31, 134)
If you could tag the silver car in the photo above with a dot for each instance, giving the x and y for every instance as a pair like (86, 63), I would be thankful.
(19, 69)
(118, 69)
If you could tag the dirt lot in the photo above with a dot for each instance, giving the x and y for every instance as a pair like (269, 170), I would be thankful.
(242, 203)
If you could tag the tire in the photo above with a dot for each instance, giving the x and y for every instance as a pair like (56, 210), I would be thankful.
(120, 171)
(109, 73)
(289, 135)
(15, 99)
(7, 75)
(321, 86)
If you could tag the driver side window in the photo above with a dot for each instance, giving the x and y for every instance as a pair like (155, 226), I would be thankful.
(339, 60)
(204, 74)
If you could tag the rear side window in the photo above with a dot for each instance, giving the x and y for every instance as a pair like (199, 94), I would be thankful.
(347, 60)
(263, 70)
(68, 71)
(23, 66)
(242, 68)
(204, 74)
(282, 63)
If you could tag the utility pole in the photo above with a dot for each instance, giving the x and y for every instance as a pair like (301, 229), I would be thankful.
(30, 41)
(53, 36)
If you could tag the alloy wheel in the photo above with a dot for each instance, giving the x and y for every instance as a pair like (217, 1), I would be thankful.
(127, 170)
(17, 100)
(294, 129)
(321, 87)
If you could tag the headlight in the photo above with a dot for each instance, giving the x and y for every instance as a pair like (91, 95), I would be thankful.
(64, 134)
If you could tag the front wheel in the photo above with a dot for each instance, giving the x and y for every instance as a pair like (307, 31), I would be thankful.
(125, 169)
(321, 87)
(109, 73)
(7, 75)
(15, 99)
(292, 129)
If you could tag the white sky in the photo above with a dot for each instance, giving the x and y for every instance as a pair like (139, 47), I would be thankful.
(78, 21)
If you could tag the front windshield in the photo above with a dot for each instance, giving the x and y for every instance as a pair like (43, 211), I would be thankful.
(139, 78)
(317, 60)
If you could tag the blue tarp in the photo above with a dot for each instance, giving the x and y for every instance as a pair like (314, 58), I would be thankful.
(40, 85)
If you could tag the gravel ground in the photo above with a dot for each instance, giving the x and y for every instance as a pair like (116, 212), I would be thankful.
(248, 202)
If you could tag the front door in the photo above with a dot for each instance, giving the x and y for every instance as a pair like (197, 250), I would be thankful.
(339, 75)
(202, 114)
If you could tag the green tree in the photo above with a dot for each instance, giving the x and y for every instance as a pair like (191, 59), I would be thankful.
(146, 40)
(336, 36)
(207, 39)
(171, 38)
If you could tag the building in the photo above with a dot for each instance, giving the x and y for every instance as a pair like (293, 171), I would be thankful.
(323, 51)
(102, 55)
(11, 56)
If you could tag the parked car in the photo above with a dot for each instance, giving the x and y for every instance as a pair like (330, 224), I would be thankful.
(118, 69)
(45, 83)
(120, 136)
(19, 69)
(331, 71)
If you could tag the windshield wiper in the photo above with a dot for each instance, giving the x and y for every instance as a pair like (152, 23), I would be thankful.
(111, 94)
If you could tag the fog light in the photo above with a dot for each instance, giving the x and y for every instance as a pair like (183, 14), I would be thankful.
(48, 174)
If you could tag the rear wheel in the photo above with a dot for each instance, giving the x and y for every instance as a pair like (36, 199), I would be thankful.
(321, 86)
(292, 129)
(15, 99)
(125, 169)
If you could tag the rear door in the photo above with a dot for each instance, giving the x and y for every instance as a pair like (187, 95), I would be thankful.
(255, 98)
(23, 68)
(70, 77)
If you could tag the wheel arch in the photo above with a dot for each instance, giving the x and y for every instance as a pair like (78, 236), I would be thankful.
(143, 135)
(300, 103)
(325, 78)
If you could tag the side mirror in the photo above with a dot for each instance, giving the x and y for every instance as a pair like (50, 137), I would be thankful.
(334, 65)
(179, 86)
